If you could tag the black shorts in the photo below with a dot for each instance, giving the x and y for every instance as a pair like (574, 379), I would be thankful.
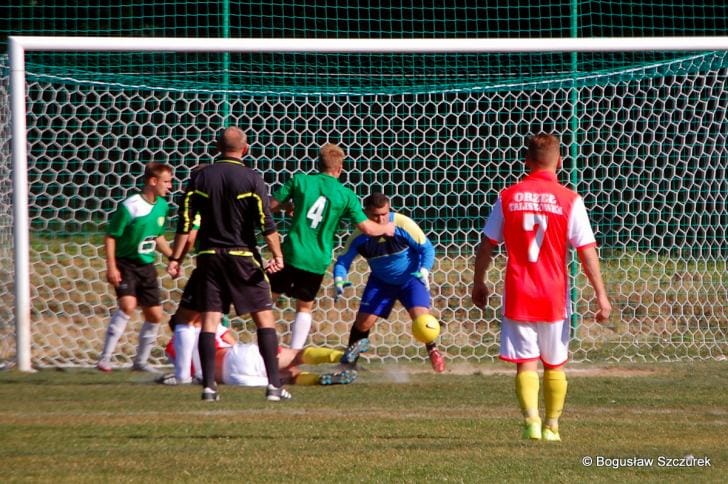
(188, 295)
(222, 279)
(140, 281)
(293, 282)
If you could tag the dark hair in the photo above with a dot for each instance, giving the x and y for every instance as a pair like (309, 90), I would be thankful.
(376, 200)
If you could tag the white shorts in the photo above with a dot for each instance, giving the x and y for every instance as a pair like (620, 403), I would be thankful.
(524, 341)
(243, 365)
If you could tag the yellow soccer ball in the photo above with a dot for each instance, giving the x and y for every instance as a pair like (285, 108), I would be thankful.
(425, 328)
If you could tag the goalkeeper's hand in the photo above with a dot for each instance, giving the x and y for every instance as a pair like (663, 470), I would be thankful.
(340, 284)
(424, 276)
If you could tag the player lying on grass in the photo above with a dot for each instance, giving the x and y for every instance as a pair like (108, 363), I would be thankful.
(241, 364)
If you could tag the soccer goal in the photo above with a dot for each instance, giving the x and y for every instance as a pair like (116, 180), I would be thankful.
(437, 124)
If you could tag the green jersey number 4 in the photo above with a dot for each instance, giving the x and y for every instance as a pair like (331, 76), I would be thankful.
(316, 212)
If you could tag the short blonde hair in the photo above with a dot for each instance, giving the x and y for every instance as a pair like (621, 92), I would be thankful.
(331, 157)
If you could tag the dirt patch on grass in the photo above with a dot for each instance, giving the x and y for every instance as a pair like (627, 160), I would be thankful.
(396, 372)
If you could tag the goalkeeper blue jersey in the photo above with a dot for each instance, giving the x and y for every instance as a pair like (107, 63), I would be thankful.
(392, 260)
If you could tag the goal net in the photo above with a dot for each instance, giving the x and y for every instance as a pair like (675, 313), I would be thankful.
(644, 138)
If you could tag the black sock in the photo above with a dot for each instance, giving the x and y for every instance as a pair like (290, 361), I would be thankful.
(174, 321)
(206, 346)
(268, 347)
(356, 335)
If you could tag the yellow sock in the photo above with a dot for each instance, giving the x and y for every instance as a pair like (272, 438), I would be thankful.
(527, 393)
(306, 378)
(554, 395)
(316, 356)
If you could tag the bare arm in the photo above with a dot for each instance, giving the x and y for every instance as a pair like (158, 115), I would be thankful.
(179, 250)
(273, 240)
(483, 260)
(112, 272)
(590, 264)
(163, 246)
(275, 205)
(373, 229)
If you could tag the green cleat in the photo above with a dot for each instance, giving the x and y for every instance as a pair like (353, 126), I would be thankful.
(351, 354)
(532, 429)
(551, 435)
(338, 378)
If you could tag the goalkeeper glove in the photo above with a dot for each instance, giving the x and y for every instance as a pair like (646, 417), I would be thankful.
(423, 275)
(340, 284)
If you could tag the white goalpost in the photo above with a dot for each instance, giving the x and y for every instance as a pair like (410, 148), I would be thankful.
(687, 329)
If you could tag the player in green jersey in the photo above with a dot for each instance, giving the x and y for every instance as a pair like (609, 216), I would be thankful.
(135, 231)
(319, 202)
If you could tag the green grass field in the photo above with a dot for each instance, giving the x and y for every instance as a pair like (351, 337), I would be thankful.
(395, 424)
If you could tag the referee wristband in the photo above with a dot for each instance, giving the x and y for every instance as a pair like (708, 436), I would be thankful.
(174, 259)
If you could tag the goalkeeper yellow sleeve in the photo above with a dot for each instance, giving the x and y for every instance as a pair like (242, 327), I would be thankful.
(317, 356)
(307, 378)
(554, 395)
(527, 393)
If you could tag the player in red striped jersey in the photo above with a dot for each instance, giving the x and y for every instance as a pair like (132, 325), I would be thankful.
(539, 220)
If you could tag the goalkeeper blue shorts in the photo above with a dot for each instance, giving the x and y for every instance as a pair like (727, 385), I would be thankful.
(379, 298)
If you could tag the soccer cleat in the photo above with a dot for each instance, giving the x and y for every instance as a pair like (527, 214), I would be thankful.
(550, 435)
(438, 362)
(146, 367)
(351, 354)
(170, 379)
(276, 394)
(532, 429)
(338, 378)
(210, 395)
(104, 365)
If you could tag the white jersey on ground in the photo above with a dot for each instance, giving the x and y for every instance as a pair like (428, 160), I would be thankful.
(243, 365)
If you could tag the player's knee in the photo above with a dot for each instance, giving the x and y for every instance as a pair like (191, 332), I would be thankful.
(153, 316)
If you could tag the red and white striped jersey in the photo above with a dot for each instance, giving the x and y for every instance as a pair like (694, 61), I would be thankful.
(539, 220)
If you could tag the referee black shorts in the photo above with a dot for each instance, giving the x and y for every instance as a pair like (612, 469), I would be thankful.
(232, 277)
(190, 291)
(297, 283)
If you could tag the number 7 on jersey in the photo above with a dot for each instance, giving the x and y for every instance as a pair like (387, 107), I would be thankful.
(540, 222)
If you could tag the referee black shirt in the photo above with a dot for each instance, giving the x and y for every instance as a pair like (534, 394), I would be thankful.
(232, 201)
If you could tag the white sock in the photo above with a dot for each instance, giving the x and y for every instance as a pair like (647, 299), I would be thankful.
(185, 342)
(116, 328)
(300, 329)
(147, 340)
(196, 362)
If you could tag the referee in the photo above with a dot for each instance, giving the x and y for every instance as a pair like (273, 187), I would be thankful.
(233, 203)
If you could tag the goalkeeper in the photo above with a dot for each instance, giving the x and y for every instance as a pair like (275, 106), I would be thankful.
(400, 266)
